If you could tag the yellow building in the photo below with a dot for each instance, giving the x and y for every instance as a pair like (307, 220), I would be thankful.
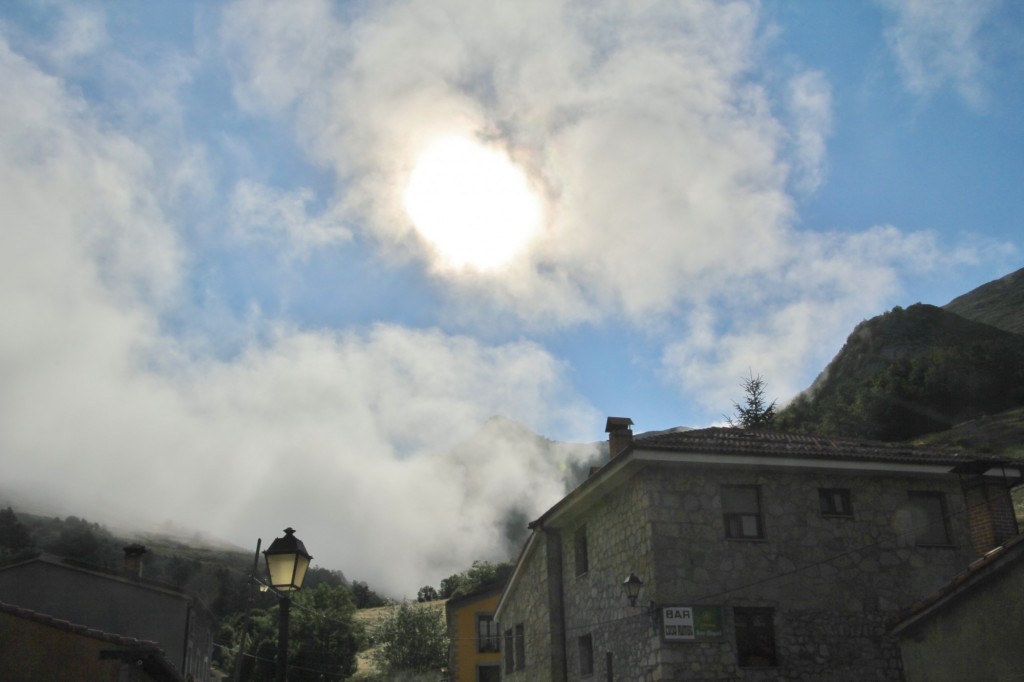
(475, 653)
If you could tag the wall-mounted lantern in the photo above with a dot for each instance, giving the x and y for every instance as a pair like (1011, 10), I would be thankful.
(632, 585)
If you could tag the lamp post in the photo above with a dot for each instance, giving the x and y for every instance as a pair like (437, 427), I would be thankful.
(287, 561)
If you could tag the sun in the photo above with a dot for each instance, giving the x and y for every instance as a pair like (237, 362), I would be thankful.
(471, 203)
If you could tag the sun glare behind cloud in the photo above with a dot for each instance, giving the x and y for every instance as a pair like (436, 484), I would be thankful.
(471, 203)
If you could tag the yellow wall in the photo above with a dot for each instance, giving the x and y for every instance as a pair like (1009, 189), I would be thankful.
(32, 651)
(466, 658)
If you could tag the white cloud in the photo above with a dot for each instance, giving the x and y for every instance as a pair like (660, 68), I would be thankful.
(81, 32)
(655, 144)
(788, 324)
(666, 156)
(263, 213)
(937, 44)
(346, 436)
(810, 107)
(665, 171)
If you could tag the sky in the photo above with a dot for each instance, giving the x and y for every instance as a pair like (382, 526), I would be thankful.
(268, 264)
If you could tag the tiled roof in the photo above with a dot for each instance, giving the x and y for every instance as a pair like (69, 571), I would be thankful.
(734, 441)
(1000, 557)
(105, 573)
(86, 631)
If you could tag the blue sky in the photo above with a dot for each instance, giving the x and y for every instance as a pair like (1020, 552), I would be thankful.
(218, 282)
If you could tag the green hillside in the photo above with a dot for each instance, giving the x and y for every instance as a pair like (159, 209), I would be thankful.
(999, 303)
(910, 372)
(997, 434)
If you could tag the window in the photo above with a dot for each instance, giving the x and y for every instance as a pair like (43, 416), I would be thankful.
(520, 647)
(586, 648)
(755, 637)
(580, 547)
(486, 633)
(488, 673)
(510, 661)
(741, 505)
(835, 502)
(930, 519)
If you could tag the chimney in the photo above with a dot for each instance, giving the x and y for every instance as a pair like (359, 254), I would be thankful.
(133, 560)
(620, 435)
(989, 513)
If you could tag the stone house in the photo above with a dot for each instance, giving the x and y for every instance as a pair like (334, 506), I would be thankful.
(122, 604)
(758, 556)
(979, 612)
(475, 651)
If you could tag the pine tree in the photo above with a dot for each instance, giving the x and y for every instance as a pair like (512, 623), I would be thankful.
(755, 412)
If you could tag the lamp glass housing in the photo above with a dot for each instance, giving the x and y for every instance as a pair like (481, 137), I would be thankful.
(287, 561)
(632, 585)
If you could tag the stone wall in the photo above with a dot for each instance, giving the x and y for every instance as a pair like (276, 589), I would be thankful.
(529, 604)
(618, 543)
(834, 582)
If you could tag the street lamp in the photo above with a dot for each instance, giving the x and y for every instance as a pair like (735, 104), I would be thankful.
(632, 585)
(287, 561)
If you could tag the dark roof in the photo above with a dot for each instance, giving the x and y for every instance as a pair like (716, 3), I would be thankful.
(143, 653)
(752, 442)
(66, 626)
(105, 573)
(979, 571)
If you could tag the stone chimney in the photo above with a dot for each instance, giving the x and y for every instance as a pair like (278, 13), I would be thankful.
(620, 435)
(989, 512)
(133, 560)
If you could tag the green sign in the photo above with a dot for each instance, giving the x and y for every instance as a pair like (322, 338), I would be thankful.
(707, 622)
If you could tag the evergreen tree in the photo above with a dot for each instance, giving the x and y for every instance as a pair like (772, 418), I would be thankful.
(755, 412)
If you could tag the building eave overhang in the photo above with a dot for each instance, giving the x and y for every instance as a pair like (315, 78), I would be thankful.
(795, 462)
(513, 579)
(600, 482)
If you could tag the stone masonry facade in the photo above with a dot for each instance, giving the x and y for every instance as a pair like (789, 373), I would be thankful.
(832, 582)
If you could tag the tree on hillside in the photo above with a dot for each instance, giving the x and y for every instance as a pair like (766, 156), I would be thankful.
(483, 574)
(14, 537)
(755, 412)
(449, 585)
(427, 593)
(322, 644)
(413, 639)
(365, 597)
(324, 635)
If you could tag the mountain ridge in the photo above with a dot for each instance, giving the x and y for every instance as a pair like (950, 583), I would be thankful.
(999, 303)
